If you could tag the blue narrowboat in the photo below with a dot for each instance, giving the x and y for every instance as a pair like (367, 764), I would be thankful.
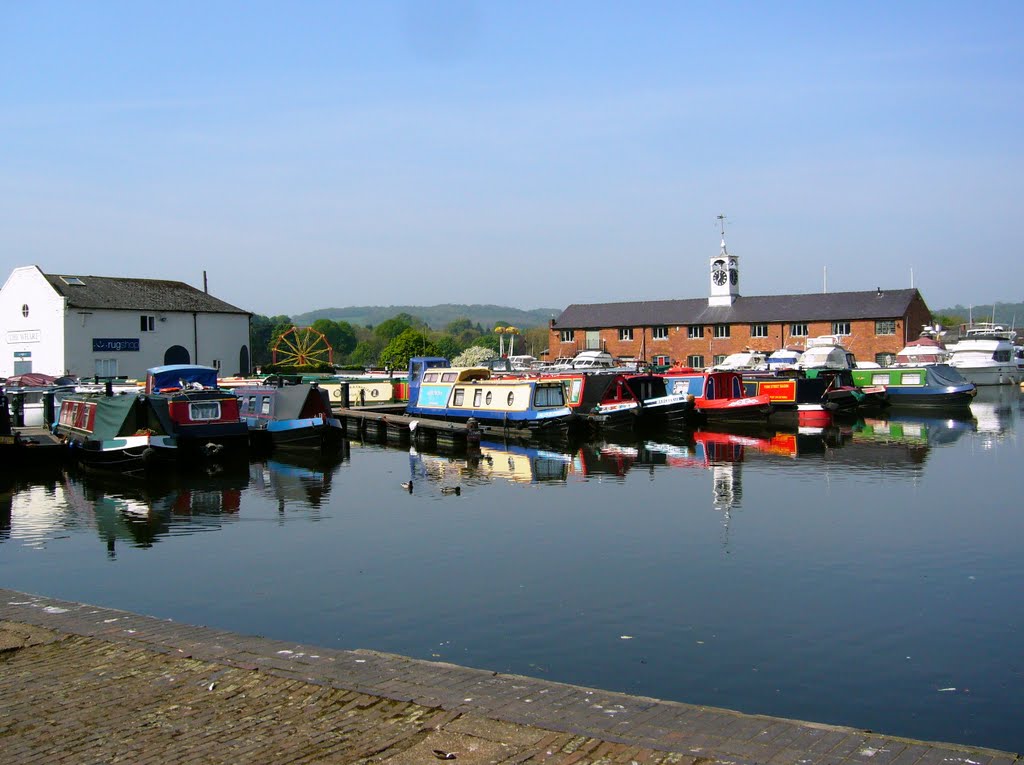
(288, 416)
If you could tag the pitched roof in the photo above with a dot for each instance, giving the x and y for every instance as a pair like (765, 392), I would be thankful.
(118, 294)
(828, 306)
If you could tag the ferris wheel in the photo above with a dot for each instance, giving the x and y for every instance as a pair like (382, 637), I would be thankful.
(302, 347)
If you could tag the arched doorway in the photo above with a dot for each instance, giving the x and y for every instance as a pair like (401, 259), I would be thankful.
(243, 361)
(177, 354)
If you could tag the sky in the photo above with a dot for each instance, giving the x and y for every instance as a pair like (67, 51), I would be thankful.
(531, 154)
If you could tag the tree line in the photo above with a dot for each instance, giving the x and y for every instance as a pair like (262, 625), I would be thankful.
(392, 342)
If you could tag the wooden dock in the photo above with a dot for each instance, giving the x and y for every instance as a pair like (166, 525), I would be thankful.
(27, 446)
(389, 424)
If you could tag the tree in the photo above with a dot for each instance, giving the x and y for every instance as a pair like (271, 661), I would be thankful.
(261, 333)
(339, 334)
(448, 346)
(366, 352)
(396, 325)
(458, 326)
(474, 356)
(410, 343)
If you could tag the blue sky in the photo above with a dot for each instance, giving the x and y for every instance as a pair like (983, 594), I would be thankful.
(532, 154)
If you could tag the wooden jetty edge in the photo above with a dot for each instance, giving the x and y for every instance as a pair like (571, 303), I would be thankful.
(82, 683)
(391, 424)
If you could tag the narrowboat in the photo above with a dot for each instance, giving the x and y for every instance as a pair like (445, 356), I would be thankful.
(535, 405)
(933, 386)
(719, 396)
(124, 432)
(639, 401)
(288, 416)
(612, 400)
(204, 418)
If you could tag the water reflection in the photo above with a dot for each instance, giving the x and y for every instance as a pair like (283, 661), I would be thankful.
(297, 479)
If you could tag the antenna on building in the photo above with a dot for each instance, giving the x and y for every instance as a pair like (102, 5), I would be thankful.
(824, 278)
(721, 224)
(911, 277)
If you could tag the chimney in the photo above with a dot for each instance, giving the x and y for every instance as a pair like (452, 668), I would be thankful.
(205, 287)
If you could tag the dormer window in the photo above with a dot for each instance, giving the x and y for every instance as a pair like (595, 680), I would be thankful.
(74, 281)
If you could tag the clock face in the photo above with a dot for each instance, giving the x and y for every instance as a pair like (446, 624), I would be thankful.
(719, 277)
(734, 277)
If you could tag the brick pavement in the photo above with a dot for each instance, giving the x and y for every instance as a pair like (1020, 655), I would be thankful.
(84, 684)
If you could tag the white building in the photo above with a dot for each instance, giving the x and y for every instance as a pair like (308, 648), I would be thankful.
(99, 325)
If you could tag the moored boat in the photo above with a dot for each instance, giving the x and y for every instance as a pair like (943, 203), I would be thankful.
(719, 396)
(531, 405)
(204, 417)
(937, 386)
(984, 355)
(124, 432)
(288, 416)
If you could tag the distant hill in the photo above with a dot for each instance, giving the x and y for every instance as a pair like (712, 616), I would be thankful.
(436, 316)
(1010, 314)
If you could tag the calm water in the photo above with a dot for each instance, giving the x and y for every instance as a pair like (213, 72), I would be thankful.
(868, 577)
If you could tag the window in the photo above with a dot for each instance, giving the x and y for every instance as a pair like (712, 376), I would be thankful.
(719, 358)
(549, 395)
(759, 330)
(660, 333)
(884, 359)
(625, 333)
(430, 377)
(478, 396)
(661, 361)
(449, 376)
(886, 327)
(106, 367)
(798, 330)
(511, 398)
(695, 332)
(216, 364)
(251, 405)
(568, 335)
(910, 378)
(487, 398)
(147, 323)
(24, 310)
(840, 328)
(204, 411)
(696, 361)
(460, 396)
(722, 330)
(264, 404)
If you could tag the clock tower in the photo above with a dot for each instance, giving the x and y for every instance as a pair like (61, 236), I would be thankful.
(725, 275)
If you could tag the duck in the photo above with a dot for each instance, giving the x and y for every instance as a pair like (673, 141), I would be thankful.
(407, 486)
(451, 490)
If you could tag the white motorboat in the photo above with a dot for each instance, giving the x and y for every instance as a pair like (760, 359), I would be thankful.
(984, 355)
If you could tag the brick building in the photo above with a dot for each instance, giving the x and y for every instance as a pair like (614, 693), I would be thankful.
(874, 325)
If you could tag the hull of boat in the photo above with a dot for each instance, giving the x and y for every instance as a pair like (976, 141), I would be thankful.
(311, 433)
(1001, 374)
(750, 409)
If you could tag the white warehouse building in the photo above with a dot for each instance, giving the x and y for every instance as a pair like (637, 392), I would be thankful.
(112, 327)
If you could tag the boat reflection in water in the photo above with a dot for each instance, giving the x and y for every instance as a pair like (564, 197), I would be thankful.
(297, 480)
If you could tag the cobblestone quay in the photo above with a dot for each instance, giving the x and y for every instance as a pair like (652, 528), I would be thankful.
(83, 684)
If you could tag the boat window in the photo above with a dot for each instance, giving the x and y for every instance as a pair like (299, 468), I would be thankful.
(204, 410)
(449, 376)
(737, 388)
(265, 405)
(911, 378)
(710, 389)
(511, 397)
(430, 377)
(487, 398)
(460, 396)
(252, 404)
(1001, 356)
(880, 378)
(478, 396)
(549, 395)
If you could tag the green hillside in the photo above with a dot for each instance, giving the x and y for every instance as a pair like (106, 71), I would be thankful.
(436, 316)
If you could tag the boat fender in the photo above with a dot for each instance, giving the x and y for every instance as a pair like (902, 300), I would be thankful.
(148, 455)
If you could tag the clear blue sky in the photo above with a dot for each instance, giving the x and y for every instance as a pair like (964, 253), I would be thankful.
(531, 154)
